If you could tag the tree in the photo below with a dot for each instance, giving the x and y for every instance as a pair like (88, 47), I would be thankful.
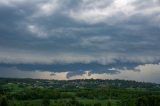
(142, 101)
(46, 102)
(109, 103)
(97, 104)
(4, 101)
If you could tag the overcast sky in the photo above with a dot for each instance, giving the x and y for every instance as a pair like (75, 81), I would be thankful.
(75, 37)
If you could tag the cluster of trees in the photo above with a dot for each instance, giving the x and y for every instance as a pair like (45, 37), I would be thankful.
(47, 102)
(36, 93)
(87, 93)
(74, 102)
(4, 101)
(148, 101)
(140, 101)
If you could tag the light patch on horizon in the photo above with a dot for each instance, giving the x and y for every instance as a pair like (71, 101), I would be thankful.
(143, 73)
(37, 74)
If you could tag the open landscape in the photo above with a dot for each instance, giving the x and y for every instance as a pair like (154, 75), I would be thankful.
(79, 52)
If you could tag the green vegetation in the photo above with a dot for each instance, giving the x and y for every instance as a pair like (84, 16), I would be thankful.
(37, 92)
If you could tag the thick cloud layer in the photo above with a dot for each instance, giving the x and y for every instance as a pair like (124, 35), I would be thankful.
(51, 32)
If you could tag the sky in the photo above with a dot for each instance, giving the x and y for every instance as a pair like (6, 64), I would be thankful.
(80, 39)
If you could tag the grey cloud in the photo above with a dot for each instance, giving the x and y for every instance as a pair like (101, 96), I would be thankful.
(62, 31)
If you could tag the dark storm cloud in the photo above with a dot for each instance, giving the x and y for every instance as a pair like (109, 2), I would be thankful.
(95, 67)
(71, 35)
